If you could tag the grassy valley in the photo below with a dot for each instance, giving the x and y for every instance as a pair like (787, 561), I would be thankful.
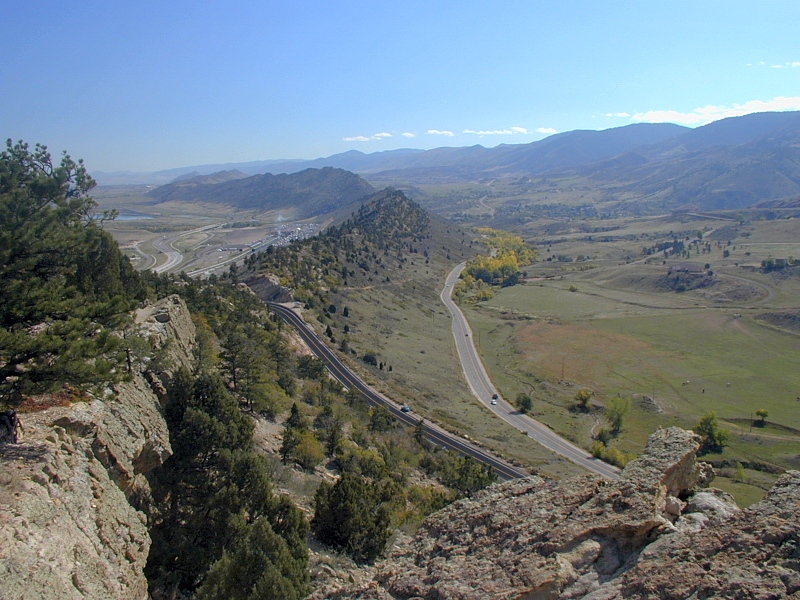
(600, 313)
(599, 310)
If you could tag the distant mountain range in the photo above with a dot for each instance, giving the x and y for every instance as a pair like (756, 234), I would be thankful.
(730, 163)
(559, 150)
(309, 193)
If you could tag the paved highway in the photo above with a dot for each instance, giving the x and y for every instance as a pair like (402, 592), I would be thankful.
(174, 257)
(482, 388)
(346, 377)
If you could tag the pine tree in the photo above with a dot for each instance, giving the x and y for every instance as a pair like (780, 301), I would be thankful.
(258, 565)
(352, 516)
(215, 493)
(64, 285)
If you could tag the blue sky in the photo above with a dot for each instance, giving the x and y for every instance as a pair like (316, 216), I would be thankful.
(151, 85)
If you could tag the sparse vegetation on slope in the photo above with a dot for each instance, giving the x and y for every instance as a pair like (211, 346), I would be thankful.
(372, 286)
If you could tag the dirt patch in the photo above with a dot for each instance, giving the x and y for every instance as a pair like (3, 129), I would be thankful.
(32, 404)
(647, 403)
(578, 351)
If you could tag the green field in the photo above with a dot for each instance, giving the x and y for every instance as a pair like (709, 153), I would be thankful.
(612, 324)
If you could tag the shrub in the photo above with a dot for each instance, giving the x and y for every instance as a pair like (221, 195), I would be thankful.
(714, 439)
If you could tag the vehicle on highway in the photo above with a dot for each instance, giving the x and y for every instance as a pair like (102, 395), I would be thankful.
(495, 396)
(406, 408)
(494, 401)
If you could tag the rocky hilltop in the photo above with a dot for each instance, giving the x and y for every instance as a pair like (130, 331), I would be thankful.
(654, 533)
(69, 524)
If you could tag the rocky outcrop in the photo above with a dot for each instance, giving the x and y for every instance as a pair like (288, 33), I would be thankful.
(69, 524)
(648, 534)
(724, 552)
(269, 289)
(167, 325)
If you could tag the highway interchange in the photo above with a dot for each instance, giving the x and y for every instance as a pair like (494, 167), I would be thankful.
(175, 257)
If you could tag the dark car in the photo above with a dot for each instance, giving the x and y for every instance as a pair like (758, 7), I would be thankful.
(406, 408)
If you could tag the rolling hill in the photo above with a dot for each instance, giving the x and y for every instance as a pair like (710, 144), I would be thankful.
(308, 193)
(729, 164)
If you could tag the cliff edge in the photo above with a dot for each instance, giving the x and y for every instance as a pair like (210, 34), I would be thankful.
(69, 524)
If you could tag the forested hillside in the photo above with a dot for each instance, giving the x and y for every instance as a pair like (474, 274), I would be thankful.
(245, 366)
(387, 238)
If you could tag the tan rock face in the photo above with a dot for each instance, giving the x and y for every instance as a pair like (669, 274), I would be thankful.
(592, 538)
(67, 525)
(69, 531)
(269, 289)
(752, 553)
(168, 325)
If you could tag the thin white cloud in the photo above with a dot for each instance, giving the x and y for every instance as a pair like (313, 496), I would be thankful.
(408, 134)
(546, 130)
(437, 132)
(489, 132)
(363, 138)
(618, 114)
(509, 131)
(710, 113)
(790, 64)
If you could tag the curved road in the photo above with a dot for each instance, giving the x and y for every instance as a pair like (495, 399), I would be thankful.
(482, 388)
(346, 377)
(174, 257)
